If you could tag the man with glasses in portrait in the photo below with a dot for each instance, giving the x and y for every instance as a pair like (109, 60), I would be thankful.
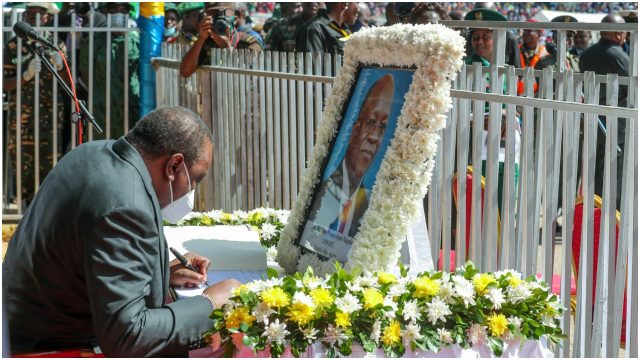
(342, 199)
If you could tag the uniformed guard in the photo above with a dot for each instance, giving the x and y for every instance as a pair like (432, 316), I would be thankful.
(31, 66)
(571, 60)
(511, 50)
(283, 36)
(482, 39)
(190, 13)
(329, 30)
(171, 19)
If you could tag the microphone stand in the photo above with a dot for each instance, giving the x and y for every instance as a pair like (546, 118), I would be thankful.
(84, 114)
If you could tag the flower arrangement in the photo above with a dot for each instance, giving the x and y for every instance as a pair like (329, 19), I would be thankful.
(405, 172)
(268, 223)
(428, 311)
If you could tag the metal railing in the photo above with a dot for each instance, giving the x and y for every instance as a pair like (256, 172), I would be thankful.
(61, 132)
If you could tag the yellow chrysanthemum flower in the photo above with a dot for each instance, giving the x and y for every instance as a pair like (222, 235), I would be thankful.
(301, 313)
(205, 220)
(343, 320)
(514, 281)
(275, 297)
(321, 297)
(386, 278)
(481, 281)
(239, 290)
(225, 218)
(497, 324)
(426, 287)
(391, 334)
(372, 297)
(238, 316)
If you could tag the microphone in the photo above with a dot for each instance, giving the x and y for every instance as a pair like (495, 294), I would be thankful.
(26, 32)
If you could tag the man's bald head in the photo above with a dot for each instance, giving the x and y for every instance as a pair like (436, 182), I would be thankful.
(615, 36)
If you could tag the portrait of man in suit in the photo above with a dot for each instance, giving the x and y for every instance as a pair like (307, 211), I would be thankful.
(342, 198)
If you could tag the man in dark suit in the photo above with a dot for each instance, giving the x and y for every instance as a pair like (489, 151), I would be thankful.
(89, 262)
(342, 199)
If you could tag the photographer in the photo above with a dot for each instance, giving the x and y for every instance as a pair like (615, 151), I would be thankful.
(215, 30)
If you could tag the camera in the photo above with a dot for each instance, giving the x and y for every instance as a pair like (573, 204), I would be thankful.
(221, 24)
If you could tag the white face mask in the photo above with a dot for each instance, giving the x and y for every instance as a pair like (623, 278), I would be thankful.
(178, 209)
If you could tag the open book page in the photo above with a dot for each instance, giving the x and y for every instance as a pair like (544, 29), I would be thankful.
(214, 276)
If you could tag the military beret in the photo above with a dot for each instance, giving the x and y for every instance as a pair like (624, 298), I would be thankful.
(170, 6)
(186, 7)
(564, 18)
(484, 14)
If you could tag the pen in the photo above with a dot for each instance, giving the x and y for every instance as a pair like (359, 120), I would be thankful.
(185, 262)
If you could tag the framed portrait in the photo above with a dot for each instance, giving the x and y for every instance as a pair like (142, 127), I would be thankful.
(342, 196)
(372, 159)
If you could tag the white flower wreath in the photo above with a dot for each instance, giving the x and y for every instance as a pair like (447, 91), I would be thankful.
(405, 172)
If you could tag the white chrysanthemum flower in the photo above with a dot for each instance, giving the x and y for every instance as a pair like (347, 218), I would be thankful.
(515, 321)
(437, 310)
(464, 289)
(496, 297)
(548, 320)
(348, 303)
(519, 293)
(477, 334)
(273, 282)
(334, 335)
(283, 216)
(411, 311)
(276, 332)
(215, 214)
(262, 312)
(397, 289)
(367, 280)
(446, 292)
(445, 336)
(302, 298)
(310, 334)
(240, 215)
(314, 282)
(272, 253)
(375, 331)
(410, 333)
(268, 231)
(388, 301)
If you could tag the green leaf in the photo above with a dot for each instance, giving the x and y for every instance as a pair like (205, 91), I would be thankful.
(272, 273)
(244, 327)
(247, 340)
(496, 345)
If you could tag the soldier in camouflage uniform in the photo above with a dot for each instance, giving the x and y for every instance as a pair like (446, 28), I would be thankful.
(30, 66)
(571, 61)
(279, 33)
(284, 34)
(116, 73)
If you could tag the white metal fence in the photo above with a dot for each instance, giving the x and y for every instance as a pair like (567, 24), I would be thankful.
(80, 41)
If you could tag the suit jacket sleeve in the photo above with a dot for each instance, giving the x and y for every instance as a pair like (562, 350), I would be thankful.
(122, 254)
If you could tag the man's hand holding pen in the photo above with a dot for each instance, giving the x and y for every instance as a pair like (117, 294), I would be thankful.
(182, 275)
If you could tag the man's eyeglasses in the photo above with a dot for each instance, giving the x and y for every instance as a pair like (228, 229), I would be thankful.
(372, 123)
